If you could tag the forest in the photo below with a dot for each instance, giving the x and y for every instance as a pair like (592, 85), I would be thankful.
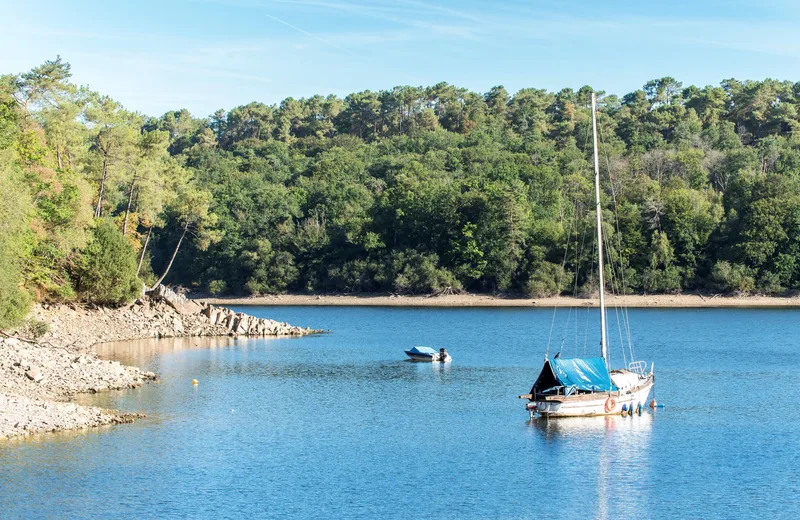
(408, 190)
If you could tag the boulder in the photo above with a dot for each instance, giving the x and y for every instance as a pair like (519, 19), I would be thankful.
(229, 320)
(220, 318)
(242, 323)
(177, 301)
(177, 324)
(34, 374)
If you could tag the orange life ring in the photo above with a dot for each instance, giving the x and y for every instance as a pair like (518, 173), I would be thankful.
(610, 404)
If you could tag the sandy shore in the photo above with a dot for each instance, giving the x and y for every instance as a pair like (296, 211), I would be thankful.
(480, 300)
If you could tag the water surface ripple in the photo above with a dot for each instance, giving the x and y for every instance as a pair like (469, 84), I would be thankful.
(340, 426)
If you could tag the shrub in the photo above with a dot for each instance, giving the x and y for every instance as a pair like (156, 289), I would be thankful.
(733, 277)
(770, 283)
(14, 301)
(35, 329)
(666, 280)
(419, 273)
(548, 279)
(15, 243)
(217, 287)
(351, 276)
(106, 270)
(270, 271)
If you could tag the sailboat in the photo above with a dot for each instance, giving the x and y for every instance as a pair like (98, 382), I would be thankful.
(581, 387)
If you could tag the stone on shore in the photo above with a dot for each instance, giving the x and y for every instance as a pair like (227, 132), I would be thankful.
(34, 374)
(36, 378)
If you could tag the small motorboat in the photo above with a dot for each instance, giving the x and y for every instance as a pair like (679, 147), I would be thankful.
(428, 354)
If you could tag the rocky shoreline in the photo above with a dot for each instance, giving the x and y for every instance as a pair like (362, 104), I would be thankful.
(38, 378)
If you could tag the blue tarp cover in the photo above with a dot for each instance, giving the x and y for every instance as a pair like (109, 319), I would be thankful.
(422, 350)
(584, 373)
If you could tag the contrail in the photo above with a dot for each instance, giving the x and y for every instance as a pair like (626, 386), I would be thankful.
(323, 40)
(452, 12)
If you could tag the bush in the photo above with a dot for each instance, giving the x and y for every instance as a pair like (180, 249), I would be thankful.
(548, 279)
(15, 243)
(733, 277)
(14, 301)
(351, 276)
(35, 329)
(271, 271)
(106, 270)
(770, 283)
(667, 280)
(217, 287)
(419, 273)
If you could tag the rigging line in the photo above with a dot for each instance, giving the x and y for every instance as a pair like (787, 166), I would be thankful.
(573, 225)
(626, 316)
(588, 135)
(566, 326)
(611, 279)
(578, 255)
(615, 291)
(590, 280)
(555, 308)
(614, 279)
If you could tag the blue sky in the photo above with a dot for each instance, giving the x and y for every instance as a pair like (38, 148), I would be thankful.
(209, 54)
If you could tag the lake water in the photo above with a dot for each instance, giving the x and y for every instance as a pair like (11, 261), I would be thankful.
(340, 426)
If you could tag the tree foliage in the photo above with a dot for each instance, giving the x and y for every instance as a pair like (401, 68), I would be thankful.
(106, 272)
(411, 189)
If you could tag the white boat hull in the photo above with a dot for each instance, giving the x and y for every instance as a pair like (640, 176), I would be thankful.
(429, 358)
(588, 405)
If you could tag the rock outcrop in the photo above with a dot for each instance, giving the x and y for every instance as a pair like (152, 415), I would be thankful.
(37, 378)
(242, 324)
(152, 317)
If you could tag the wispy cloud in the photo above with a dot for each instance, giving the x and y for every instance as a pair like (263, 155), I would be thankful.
(777, 38)
(416, 15)
(270, 49)
(453, 13)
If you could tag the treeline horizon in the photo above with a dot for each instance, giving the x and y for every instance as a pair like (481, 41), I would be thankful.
(410, 190)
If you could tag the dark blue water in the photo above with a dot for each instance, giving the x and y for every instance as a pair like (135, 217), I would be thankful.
(340, 426)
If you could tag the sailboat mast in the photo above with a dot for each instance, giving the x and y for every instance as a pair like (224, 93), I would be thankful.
(598, 211)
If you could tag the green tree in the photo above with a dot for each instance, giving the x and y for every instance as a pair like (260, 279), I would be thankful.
(106, 270)
(113, 138)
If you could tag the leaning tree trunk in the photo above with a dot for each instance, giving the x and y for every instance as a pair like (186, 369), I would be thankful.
(144, 248)
(99, 209)
(174, 254)
(58, 156)
(128, 209)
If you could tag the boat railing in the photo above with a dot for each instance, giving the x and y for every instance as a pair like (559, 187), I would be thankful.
(566, 391)
(638, 367)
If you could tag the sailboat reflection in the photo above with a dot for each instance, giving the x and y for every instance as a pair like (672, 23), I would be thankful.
(617, 446)
(591, 426)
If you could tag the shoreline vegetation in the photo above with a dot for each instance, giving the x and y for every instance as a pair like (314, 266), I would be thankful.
(485, 300)
(409, 190)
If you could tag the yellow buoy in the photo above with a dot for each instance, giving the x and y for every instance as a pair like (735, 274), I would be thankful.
(194, 382)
